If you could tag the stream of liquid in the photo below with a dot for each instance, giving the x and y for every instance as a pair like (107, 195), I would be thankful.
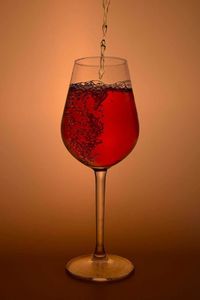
(106, 4)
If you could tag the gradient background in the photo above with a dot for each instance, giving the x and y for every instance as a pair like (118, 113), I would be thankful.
(47, 197)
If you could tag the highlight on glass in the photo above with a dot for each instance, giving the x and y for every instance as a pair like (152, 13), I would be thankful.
(100, 128)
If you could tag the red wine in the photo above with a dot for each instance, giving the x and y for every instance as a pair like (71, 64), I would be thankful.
(100, 124)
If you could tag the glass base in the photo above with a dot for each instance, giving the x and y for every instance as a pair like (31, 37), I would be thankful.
(110, 268)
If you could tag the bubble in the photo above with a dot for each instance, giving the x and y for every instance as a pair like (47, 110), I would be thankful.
(83, 119)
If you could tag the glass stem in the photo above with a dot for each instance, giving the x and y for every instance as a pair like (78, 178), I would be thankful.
(100, 185)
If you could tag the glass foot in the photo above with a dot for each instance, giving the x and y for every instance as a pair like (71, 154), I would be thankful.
(111, 268)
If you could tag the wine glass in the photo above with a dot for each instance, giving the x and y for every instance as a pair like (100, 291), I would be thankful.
(100, 128)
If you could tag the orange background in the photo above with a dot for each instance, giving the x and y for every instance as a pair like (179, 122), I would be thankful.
(47, 197)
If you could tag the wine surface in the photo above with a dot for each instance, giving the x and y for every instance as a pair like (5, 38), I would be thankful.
(100, 123)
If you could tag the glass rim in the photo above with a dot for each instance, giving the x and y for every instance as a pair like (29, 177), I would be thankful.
(114, 61)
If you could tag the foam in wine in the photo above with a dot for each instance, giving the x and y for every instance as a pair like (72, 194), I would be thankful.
(100, 123)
